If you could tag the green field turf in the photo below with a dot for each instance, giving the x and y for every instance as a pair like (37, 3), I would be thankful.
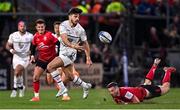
(98, 98)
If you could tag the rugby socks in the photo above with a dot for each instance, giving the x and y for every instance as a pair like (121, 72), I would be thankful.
(150, 74)
(56, 76)
(15, 82)
(167, 76)
(77, 80)
(20, 82)
(36, 87)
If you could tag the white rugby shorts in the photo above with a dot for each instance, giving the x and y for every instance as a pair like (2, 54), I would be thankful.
(17, 60)
(68, 58)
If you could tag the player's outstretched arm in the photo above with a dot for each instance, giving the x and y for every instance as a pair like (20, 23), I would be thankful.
(66, 42)
(87, 52)
(135, 99)
(156, 61)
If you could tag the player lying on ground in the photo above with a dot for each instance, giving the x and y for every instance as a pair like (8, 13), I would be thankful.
(125, 95)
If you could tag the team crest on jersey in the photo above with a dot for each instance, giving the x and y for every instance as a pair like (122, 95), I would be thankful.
(21, 45)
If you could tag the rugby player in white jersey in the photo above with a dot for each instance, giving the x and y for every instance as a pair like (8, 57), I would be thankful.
(19, 45)
(71, 34)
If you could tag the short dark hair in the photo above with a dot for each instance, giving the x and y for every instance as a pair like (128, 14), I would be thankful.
(57, 23)
(40, 21)
(74, 10)
(112, 84)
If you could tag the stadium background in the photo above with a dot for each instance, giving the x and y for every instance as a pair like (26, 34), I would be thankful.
(144, 29)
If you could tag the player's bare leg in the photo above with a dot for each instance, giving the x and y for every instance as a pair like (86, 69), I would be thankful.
(38, 71)
(166, 80)
(18, 81)
(150, 75)
(52, 68)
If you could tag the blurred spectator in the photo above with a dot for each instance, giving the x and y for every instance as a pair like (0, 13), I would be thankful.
(160, 9)
(136, 2)
(65, 5)
(83, 6)
(5, 56)
(176, 8)
(174, 37)
(97, 7)
(5, 6)
(115, 7)
(145, 8)
(175, 24)
(96, 56)
(153, 38)
(84, 20)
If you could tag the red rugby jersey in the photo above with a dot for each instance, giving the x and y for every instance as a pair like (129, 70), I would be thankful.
(127, 93)
(45, 44)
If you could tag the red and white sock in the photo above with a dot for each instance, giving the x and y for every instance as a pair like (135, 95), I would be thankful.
(36, 87)
(151, 72)
(167, 76)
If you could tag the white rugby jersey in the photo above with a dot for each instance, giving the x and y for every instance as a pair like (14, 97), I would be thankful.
(74, 34)
(21, 43)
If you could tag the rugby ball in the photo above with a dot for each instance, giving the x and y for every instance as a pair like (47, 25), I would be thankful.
(104, 37)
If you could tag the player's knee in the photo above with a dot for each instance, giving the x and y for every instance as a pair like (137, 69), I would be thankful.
(35, 78)
(50, 68)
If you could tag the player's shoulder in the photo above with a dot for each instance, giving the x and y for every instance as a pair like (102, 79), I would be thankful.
(14, 33)
(36, 34)
(80, 27)
(49, 33)
(65, 23)
(29, 34)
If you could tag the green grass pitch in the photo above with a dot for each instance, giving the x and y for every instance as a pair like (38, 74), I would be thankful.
(98, 98)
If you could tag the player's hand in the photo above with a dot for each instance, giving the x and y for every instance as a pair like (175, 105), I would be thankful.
(88, 61)
(32, 59)
(157, 61)
(12, 51)
(78, 47)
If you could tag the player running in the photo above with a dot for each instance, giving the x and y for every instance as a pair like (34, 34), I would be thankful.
(63, 77)
(19, 44)
(44, 43)
(125, 95)
(71, 33)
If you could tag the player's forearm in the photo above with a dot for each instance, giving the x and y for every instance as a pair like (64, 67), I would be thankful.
(135, 100)
(66, 42)
(9, 47)
(33, 49)
(87, 49)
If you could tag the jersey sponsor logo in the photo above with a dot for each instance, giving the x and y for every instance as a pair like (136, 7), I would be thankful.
(128, 95)
(42, 45)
